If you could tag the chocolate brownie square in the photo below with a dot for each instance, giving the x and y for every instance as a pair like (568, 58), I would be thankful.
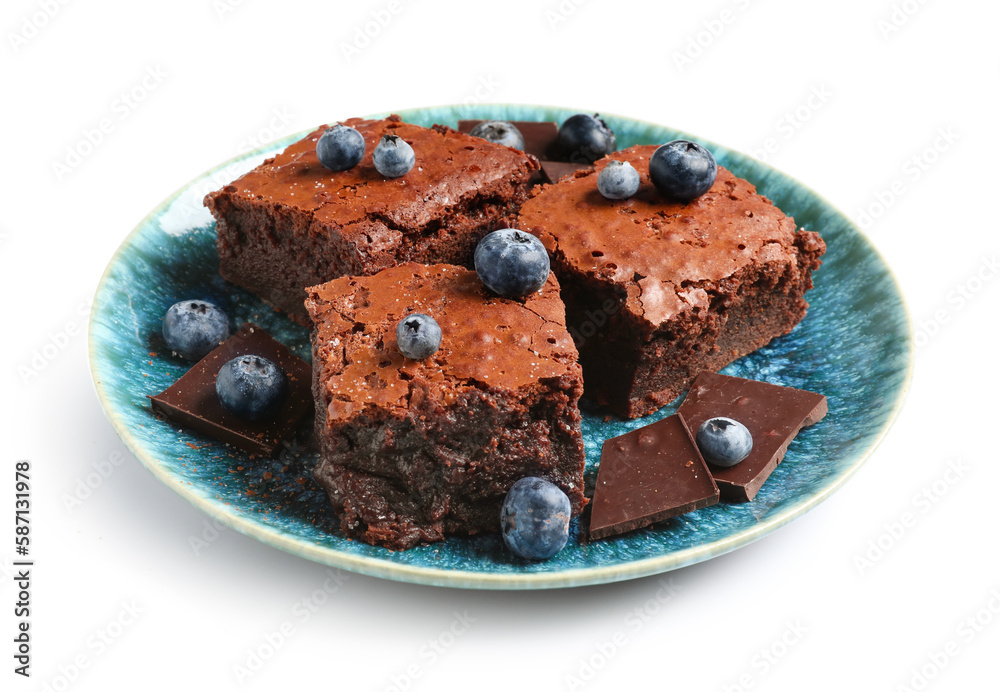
(291, 223)
(657, 291)
(414, 450)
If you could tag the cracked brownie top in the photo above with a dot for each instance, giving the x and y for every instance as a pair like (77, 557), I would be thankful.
(488, 342)
(452, 170)
(663, 257)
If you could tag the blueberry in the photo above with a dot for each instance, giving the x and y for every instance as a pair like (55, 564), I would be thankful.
(512, 263)
(251, 387)
(499, 131)
(585, 138)
(618, 180)
(192, 328)
(723, 441)
(534, 519)
(393, 156)
(340, 148)
(418, 336)
(682, 170)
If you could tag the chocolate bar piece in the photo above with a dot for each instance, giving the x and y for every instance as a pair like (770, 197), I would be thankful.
(541, 139)
(773, 414)
(647, 475)
(554, 170)
(192, 401)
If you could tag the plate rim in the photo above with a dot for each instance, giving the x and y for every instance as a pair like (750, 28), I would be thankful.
(386, 569)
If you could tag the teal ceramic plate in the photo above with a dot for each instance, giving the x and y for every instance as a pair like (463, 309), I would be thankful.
(854, 346)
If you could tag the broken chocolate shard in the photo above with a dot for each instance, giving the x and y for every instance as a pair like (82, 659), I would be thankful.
(648, 475)
(773, 414)
(552, 171)
(541, 139)
(192, 401)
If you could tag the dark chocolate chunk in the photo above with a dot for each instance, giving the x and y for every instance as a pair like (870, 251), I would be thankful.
(541, 139)
(647, 475)
(554, 170)
(192, 401)
(773, 414)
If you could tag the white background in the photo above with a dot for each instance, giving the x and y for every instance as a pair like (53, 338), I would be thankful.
(797, 610)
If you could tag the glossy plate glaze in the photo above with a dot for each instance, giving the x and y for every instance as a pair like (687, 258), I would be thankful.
(854, 346)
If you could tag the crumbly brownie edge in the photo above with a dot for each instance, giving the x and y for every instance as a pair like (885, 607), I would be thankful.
(634, 373)
(276, 251)
(401, 477)
(271, 251)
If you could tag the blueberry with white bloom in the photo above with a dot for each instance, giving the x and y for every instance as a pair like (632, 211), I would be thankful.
(251, 387)
(393, 156)
(418, 336)
(499, 131)
(585, 138)
(534, 519)
(192, 328)
(682, 170)
(618, 180)
(512, 263)
(724, 441)
(340, 148)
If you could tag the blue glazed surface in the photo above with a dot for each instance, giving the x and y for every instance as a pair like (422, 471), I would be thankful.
(854, 346)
